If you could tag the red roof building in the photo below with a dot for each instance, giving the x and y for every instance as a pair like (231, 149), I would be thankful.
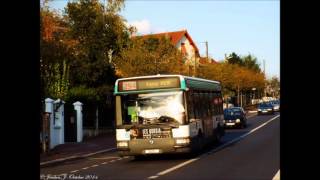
(183, 41)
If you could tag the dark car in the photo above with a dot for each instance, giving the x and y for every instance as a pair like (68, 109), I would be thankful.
(235, 117)
(265, 108)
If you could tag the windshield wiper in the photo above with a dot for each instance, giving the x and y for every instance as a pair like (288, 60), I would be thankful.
(173, 125)
(168, 120)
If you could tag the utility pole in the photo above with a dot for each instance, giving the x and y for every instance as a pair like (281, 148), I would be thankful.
(264, 72)
(264, 67)
(207, 54)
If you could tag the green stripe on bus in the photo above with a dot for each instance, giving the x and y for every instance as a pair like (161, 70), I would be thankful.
(116, 89)
(183, 84)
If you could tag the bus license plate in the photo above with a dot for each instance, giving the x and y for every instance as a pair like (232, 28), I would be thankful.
(152, 151)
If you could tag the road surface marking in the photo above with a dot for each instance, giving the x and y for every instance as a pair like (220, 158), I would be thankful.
(216, 149)
(81, 156)
(74, 171)
(176, 167)
(94, 165)
(105, 163)
(277, 176)
(112, 161)
(109, 157)
(152, 177)
(85, 168)
(119, 159)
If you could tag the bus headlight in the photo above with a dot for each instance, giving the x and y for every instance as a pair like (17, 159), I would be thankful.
(181, 132)
(122, 144)
(183, 141)
(237, 120)
(122, 135)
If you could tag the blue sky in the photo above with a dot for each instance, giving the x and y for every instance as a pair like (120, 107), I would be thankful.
(251, 26)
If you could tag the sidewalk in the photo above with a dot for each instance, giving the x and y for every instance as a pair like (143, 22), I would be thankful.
(74, 150)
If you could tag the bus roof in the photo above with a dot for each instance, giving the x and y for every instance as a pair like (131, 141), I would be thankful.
(185, 81)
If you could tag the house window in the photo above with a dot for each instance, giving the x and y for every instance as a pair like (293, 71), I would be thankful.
(183, 49)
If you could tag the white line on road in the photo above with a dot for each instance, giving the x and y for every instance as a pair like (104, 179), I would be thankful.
(216, 149)
(94, 165)
(105, 163)
(80, 156)
(112, 161)
(85, 168)
(176, 167)
(277, 176)
(152, 177)
(108, 157)
(74, 171)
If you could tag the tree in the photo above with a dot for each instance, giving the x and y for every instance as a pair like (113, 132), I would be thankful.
(250, 62)
(235, 79)
(233, 58)
(150, 56)
(273, 86)
(54, 55)
(96, 33)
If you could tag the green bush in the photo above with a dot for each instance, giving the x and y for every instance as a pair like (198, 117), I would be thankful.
(82, 94)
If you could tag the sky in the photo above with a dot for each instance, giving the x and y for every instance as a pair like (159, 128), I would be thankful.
(240, 26)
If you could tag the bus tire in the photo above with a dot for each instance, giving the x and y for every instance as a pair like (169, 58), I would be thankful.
(199, 143)
(218, 134)
(139, 157)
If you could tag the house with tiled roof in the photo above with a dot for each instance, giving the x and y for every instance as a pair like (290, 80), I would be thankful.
(182, 41)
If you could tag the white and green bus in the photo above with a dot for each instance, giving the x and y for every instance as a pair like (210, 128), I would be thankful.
(167, 114)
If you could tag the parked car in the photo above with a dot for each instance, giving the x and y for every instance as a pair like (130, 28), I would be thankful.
(265, 108)
(276, 105)
(235, 117)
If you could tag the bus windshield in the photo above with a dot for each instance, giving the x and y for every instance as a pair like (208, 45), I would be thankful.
(153, 108)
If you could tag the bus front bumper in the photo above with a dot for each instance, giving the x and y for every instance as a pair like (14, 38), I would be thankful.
(154, 146)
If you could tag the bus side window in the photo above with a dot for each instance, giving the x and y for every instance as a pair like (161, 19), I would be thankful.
(220, 104)
(212, 103)
(206, 104)
(196, 105)
(209, 104)
(215, 104)
(203, 105)
(190, 105)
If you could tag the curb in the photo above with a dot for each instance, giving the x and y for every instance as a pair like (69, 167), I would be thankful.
(74, 157)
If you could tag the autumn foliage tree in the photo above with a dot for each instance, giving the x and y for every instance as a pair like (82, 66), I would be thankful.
(149, 57)
(235, 79)
(54, 54)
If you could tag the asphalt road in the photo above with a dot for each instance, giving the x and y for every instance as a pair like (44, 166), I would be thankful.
(250, 153)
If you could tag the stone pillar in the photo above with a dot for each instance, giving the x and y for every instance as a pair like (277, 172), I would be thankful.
(49, 109)
(78, 107)
(59, 121)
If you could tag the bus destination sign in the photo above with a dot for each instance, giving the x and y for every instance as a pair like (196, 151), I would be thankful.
(147, 84)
